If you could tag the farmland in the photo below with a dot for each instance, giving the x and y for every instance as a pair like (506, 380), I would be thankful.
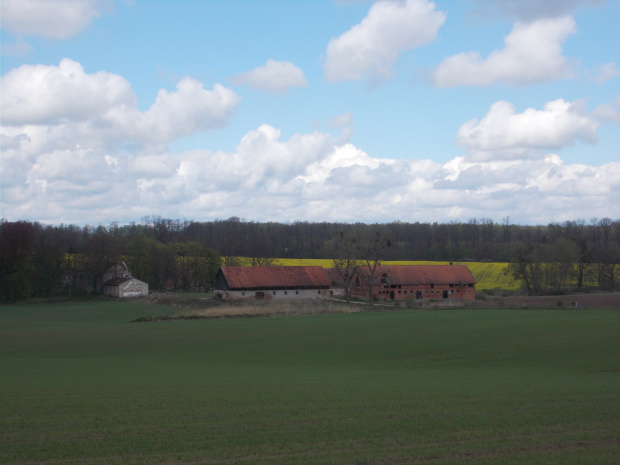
(82, 383)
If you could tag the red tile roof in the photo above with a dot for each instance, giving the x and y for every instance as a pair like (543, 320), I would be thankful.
(424, 274)
(275, 277)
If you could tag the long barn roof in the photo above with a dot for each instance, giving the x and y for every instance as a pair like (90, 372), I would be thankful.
(275, 277)
(424, 274)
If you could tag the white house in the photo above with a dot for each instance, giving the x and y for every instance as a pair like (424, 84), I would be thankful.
(118, 282)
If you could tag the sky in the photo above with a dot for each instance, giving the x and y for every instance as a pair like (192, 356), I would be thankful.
(310, 110)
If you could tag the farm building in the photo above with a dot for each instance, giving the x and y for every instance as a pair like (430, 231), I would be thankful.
(337, 286)
(118, 282)
(400, 282)
(272, 282)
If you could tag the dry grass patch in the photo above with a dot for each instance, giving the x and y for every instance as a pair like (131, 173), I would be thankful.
(208, 308)
(251, 309)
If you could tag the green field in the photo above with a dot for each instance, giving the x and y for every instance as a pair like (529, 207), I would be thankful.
(82, 384)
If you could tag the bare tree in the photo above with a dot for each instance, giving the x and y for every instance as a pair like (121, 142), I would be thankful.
(261, 261)
(345, 262)
(369, 251)
(230, 260)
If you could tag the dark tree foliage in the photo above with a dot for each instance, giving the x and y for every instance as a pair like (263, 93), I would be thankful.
(44, 260)
(16, 260)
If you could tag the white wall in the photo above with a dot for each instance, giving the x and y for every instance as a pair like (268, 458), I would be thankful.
(306, 294)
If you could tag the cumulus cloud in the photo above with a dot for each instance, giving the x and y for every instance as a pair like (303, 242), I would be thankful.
(59, 107)
(40, 94)
(532, 53)
(372, 47)
(504, 133)
(189, 109)
(58, 19)
(74, 147)
(309, 176)
(273, 76)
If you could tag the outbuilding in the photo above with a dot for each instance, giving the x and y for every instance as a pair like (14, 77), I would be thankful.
(272, 282)
(401, 282)
(125, 287)
(119, 282)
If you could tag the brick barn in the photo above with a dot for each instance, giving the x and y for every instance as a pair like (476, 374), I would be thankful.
(272, 282)
(401, 282)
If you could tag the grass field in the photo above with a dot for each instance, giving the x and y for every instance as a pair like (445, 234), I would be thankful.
(82, 384)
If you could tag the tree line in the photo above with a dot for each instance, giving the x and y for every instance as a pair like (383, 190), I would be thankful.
(49, 260)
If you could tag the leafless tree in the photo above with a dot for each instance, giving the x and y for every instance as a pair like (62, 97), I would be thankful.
(369, 252)
(345, 262)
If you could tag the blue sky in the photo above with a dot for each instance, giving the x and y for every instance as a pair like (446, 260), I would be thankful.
(405, 110)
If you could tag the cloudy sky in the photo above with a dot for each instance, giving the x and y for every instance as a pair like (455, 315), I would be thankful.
(310, 110)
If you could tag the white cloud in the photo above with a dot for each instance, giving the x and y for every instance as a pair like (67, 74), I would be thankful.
(344, 123)
(603, 73)
(189, 109)
(57, 19)
(503, 133)
(529, 10)
(61, 107)
(40, 94)
(341, 121)
(372, 47)
(308, 176)
(608, 111)
(18, 48)
(274, 76)
(75, 149)
(532, 53)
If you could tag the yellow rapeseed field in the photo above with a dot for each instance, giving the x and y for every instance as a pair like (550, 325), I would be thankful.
(488, 275)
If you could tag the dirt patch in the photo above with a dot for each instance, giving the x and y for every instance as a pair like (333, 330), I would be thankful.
(195, 306)
(594, 300)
